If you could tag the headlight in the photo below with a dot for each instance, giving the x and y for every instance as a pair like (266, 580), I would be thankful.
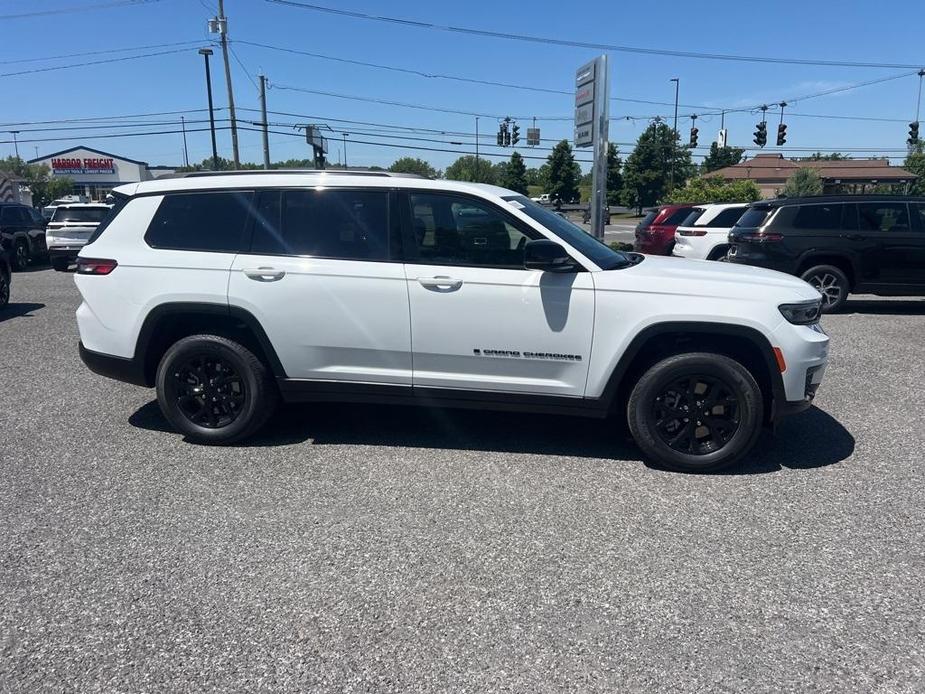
(803, 313)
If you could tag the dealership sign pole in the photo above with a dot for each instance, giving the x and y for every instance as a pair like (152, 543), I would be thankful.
(592, 120)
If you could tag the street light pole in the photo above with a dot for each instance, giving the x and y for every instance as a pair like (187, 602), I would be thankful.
(14, 133)
(205, 53)
(185, 149)
(677, 85)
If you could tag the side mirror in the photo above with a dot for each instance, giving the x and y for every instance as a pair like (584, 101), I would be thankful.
(548, 256)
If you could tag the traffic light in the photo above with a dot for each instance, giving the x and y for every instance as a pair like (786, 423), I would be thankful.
(781, 134)
(507, 137)
(761, 134)
(913, 132)
(515, 134)
(501, 136)
(693, 142)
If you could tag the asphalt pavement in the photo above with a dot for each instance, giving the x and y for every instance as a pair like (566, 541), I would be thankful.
(383, 549)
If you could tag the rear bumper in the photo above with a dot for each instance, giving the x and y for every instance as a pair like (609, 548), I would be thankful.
(117, 368)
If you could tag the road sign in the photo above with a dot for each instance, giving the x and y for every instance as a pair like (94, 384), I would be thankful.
(533, 137)
(584, 114)
(584, 135)
(721, 138)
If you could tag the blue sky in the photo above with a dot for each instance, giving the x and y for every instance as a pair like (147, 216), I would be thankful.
(857, 31)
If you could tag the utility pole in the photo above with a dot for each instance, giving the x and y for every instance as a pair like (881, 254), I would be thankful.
(185, 150)
(476, 145)
(205, 53)
(219, 25)
(677, 87)
(263, 124)
(345, 149)
(14, 133)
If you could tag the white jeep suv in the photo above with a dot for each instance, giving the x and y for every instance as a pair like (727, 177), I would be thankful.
(704, 234)
(230, 292)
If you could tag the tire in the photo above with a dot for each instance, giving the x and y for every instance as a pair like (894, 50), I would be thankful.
(243, 390)
(19, 258)
(60, 264)
(832, 283)
(656, 412)
(719, 254)
(4, 288)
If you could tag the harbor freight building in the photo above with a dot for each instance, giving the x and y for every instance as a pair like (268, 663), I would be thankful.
(95, 173)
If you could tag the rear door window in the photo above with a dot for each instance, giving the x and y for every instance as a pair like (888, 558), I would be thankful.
(678, 216)
(343, 224)
(212, 221)
(692, 218)
(883, 216)
(818, 217)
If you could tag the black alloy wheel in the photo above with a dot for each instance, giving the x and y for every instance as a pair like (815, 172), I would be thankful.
(208, 391)
(696, 415)
(20, 255)
(831, 282)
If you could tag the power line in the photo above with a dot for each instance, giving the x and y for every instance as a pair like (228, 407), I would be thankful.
(105, 52)
(89, 119)
(92, 62)
(585, 44)
(81, 8)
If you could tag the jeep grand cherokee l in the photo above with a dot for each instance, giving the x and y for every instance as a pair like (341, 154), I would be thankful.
(230, 292)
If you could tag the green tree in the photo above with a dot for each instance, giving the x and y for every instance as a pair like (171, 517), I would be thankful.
(720, 157)
(614, 175)
(43, 185)
(532, 176)
(207, 165)
(831, 156)
(803, 182)
(413, 165)
(468, 168)
(915, 163)
(514, 176)
(647, 174)
(715, 189)
(564, 173)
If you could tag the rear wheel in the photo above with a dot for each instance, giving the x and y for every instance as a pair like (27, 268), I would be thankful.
(214, 390)
(832, 283)
(697, 412)
(20, 258)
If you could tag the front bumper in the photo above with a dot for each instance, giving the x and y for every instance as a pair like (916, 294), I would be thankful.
(806, 353)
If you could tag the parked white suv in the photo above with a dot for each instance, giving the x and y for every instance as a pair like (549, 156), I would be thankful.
(704, 233)
(70, 227)
(229, 292)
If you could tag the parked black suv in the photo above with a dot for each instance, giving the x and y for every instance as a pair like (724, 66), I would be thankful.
(22, 233)
(839, 244)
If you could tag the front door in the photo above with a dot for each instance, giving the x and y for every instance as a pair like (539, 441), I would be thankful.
(479, 320)
(320, 277)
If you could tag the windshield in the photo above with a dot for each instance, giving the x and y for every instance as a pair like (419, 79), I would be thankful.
(600, 254)
(91, 215)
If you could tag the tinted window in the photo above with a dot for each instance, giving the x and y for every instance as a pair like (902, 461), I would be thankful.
(820, 217)
(727, 218)
(883, 216)
(119, 201)
(348, 224)
(753, 217)
(677, 216)
(918, 216)
(454, 230)
(200, 221)
(9, 215)
(602, 255)
(647, 220)
(37, 217)
(93, 215)
(692, 218)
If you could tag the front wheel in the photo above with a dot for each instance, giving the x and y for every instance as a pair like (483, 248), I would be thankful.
(20, 258)
(697, 412)
(214, 390)
(832, 283)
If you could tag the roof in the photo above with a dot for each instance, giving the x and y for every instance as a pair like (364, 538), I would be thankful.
(89, 149)
(276, 179)
(775, 166)
(69, 205)
(821, 199)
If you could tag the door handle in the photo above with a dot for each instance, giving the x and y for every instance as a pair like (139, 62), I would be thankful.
(264, 274)
(440, 282)
(855, 237)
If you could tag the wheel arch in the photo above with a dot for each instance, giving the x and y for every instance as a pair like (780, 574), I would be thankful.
(167, 323)
(746, 345)
(842, 261)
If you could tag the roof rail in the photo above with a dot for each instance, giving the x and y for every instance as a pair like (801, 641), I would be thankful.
(312, 172)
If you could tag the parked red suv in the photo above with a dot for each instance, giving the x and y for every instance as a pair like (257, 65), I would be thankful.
(655, 233)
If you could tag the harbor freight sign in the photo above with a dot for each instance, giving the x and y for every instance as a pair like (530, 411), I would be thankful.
(88, 165)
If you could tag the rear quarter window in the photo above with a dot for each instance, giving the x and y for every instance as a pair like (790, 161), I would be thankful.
(201, 221)
(753, 217)
(818, 217)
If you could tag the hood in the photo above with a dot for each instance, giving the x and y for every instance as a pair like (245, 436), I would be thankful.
(707, 278)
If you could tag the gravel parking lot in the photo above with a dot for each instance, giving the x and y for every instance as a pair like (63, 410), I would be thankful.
(395, 549)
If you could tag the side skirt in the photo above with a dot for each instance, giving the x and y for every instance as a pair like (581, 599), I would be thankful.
(301, 391)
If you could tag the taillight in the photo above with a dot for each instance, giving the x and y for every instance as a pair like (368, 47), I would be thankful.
(757, 237)
(691, 232)
(95, 266)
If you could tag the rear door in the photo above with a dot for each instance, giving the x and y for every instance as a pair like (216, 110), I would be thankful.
(323, 277)
(479, 320)
(900, 252)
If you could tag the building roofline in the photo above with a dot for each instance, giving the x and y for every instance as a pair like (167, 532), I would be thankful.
(89, 149)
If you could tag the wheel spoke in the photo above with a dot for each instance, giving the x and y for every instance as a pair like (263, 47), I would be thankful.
(209, 392)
